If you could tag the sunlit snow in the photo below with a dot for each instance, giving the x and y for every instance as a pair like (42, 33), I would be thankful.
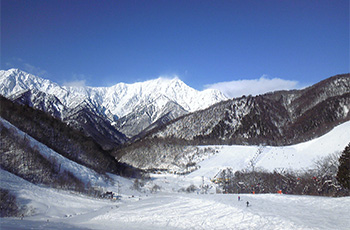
(171, 209)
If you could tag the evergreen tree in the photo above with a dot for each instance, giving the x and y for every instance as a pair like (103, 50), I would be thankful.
(343, 175)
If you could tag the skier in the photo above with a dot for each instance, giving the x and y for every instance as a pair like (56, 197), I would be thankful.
(247, 203)
(239, 198)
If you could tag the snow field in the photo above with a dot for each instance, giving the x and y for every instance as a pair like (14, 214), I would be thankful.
(297, 157)
(171, 209)
(54, 209)
(181, 211)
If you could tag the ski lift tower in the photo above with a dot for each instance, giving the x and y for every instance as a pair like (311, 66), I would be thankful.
(253, 161)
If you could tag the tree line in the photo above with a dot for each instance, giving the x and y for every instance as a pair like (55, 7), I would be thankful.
(330, 177)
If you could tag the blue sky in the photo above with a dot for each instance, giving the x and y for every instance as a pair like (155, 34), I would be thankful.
(205, 43)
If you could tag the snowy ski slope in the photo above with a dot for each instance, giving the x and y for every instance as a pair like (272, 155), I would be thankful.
(54, 209)
(171, 209)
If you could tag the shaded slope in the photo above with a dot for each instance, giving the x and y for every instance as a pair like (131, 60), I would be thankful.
(85, 116)
(68, 142)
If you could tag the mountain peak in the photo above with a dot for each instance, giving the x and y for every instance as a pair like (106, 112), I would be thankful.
(151, 97)
(14, 70)
(164, 82)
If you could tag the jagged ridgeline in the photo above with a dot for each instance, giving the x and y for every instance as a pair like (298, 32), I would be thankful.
(111, 115)
(58, 136)
(83, 116)
(277, 119)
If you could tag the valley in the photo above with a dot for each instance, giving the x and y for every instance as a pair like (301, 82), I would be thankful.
(169, 161)
(181, 211)
(171, 207)
(174, 115)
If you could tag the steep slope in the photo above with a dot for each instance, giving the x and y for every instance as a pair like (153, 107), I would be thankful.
(66, 141)
(22, 157)
(35, 162)
(142, 104)
(84, 116)
(145, 118)
(40, 100)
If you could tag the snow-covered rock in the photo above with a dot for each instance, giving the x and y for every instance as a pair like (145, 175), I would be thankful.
(120, 100)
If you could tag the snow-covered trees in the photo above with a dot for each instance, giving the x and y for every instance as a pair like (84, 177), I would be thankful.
(322, 180)
(66, 141)
(8, 204)
(137, 185)
(25, 161)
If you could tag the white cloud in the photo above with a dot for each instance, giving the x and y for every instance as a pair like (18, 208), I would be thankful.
(77, 80)
(79, 83)
(34, 70)
(19, 63)
(254, 87)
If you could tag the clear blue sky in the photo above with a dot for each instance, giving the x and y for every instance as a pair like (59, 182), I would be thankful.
(203, 42)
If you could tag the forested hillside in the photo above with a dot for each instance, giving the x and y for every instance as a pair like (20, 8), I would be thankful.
(64, 140)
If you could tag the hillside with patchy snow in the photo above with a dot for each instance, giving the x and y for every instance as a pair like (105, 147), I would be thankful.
(276, 118)
(297, 157)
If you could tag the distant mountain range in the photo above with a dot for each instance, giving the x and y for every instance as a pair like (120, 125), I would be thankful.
(277, 119)
(111, 115)
(157, 124)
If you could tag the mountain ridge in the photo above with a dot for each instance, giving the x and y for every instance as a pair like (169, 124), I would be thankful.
(280, 118)
(276, 108)
(120, 100)
(120, 94)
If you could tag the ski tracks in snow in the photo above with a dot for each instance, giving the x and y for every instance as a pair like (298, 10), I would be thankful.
(183, 211)
(54, 209)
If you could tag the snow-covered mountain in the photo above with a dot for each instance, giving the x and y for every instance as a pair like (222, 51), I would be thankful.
(24, 131)
(277, 118)
(141, 103)
(85, 116)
